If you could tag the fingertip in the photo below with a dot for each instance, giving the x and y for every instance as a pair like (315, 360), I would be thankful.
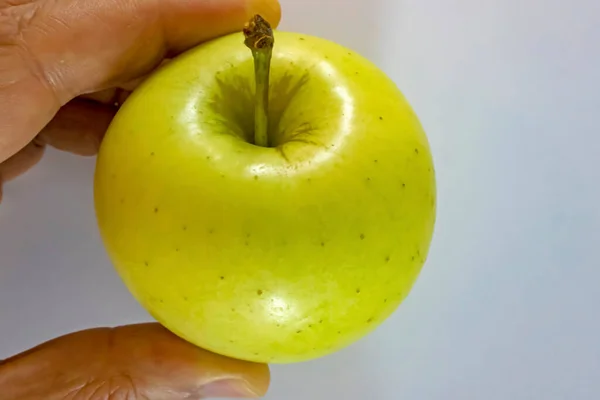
(268, 9)
(230, 388)
(237, 378)
(206, 374)
(22, 161)
(181, 20)
(261, 380)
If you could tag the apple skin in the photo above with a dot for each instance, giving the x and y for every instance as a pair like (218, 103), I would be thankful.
(274, 254)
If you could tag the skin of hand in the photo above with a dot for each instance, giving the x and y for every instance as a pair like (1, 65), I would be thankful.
(65, 66)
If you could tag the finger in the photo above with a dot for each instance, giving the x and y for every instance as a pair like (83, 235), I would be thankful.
(23, 161)
(142, 361)
(72, 47)
(116, 96)
(78, 127)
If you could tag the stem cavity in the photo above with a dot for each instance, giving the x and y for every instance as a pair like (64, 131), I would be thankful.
(260, 40)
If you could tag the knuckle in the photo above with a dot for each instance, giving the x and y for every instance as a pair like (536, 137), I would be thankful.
(15, 17)
(20, 21)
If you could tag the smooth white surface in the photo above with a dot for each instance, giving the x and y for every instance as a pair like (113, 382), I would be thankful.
(507, 305)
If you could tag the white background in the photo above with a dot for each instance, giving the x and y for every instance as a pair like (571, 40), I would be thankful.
(507, 306)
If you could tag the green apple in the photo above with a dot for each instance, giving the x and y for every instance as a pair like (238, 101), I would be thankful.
(277, 252)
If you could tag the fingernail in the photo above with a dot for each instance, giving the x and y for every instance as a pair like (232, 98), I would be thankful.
(232, 388)
(268, 9)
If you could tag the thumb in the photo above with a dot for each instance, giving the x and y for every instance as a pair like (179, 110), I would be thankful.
(134, 362)
(55, 50)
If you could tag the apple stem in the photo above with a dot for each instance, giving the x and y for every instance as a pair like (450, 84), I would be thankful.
(259, 39)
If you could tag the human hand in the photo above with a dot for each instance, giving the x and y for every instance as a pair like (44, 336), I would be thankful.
(65, 65)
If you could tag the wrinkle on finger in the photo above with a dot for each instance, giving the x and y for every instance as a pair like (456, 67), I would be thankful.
(118, 387)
